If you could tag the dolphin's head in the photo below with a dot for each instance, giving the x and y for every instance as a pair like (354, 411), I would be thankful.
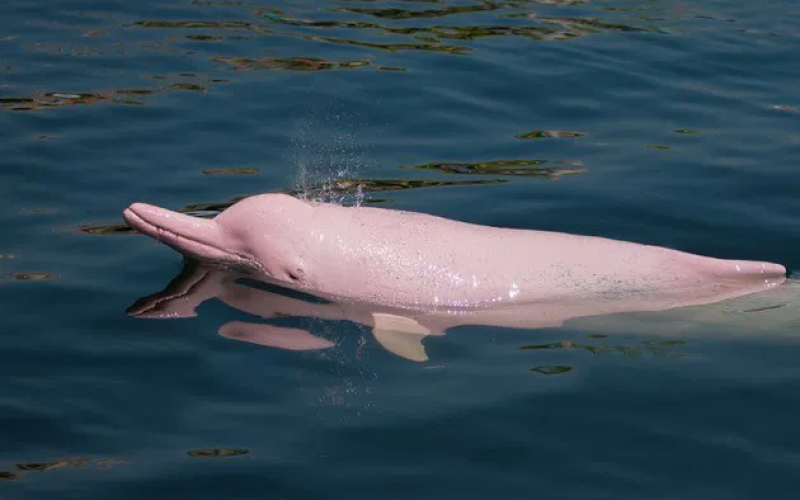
(262, 234)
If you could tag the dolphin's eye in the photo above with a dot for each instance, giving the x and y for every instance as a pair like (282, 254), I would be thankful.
(295, 274)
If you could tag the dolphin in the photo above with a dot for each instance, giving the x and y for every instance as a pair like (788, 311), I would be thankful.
(402, 332)
(414, 261)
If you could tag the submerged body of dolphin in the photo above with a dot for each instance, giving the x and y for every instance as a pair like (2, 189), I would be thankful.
(413, 261)
(402, 332)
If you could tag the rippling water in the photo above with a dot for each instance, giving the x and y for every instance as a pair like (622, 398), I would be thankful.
(659, 121)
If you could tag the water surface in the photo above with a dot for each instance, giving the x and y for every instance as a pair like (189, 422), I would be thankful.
(664, 122)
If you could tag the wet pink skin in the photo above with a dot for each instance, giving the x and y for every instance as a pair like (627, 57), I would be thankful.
(417, 262)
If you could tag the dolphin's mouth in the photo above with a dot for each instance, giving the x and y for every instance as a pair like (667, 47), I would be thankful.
(191, 236)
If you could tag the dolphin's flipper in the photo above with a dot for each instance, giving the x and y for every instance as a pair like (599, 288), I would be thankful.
(401, 336)
(292, 339)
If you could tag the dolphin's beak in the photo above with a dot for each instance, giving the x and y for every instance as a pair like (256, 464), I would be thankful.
(202, 239)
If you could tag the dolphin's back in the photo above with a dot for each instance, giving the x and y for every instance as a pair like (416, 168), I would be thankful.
(412, 259)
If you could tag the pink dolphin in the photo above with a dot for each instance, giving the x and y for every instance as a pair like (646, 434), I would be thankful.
(402, 331)
(413, 261)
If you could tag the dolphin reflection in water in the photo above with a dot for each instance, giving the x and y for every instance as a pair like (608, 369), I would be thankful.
(401, 331)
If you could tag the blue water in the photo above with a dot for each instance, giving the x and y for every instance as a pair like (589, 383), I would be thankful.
(664, 122)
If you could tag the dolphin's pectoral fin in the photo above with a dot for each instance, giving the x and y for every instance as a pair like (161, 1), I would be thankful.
(401, 336)
(383, 321)
(292, 339)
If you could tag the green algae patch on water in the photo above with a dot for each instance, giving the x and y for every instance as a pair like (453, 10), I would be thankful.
(205, 38)
(50, 100)
(663, 348)
(394, 47)
(124, 96)
(549, 134)
(218, 452)
(429, 38)
(397, 14)
(230, 171)
(188, 86)
(51, 466)
(523, 167)
(34, 276)
(289, 63)
(194, 24)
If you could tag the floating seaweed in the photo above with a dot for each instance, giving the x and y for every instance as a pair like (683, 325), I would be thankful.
(204, 38)
(50, 100)
(131, 96)
(393, 47)
(195, 24)
(655, 347)
(423, 14)
(230, 171)
(134, 92)
(50, 466)
(218, 452)
(288, 63)
(188, 86)
(551, 369)
(541, 134)
(525, 167)
(590, 25)
(34, 276)
(23, 468)
(544, 29)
